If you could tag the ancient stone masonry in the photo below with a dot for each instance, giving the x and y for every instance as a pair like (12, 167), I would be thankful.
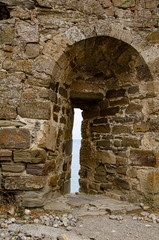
(100, 56)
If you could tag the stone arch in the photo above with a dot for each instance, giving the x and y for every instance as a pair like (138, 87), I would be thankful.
(110, 81)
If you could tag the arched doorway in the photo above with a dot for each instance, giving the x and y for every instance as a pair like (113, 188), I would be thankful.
(107, 79)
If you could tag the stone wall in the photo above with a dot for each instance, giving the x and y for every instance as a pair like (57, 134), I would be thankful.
(100, 56)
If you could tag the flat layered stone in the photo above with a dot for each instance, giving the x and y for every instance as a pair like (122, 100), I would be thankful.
(121, 129)
(5, 155)
(27, 32)
(35, 169)
(14, 138)
(86, 96)
(24, 183)
(142, 158)
(109, 111)
(121, 183)
(115, 93)
(5, 123)
(101, 128)
(13, 167)
(130, 142)
(31, 156)
(35, 110)
(133, 108)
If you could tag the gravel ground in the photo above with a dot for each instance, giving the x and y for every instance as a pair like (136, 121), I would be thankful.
(81, 217)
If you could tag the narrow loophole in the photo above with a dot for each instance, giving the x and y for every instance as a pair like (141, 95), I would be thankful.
(75, 167)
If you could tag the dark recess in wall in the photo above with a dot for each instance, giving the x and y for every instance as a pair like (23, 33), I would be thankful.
(4, 12)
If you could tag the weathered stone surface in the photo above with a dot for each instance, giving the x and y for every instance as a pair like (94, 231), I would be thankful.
(5, 155)
(122, 170)
(153, 37)
(115, 93)
(141, 127)
(44, 65)
(122, 101)
(6, 34)
(142, 158)
(32, 50)
(86, 96)
(88, 155)
(27, 32)
(103, 144)
(13, 167)
(101, 128)
(7, 112)
(32, 199)
(50, 166)
(133, 108)
(18, 65)
(130, 142)
(68, 147)
(121, 129)
(24, 183)
(6, 123)
(110, 111)
(14, 138)
(32, 156)
(107, 157)
(121, 183)
(53, 181)
(100, 121)
(36, 110)
(123, 4)
(35, 169)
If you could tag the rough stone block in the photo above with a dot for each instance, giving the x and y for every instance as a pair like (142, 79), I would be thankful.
(142, 158)
(153, 37)
(141, 127)
(101, 128)
(105, 3)
(109, 111)
(27, 32)
(63, 92)
(130, 142)
(18, 65)
(24, 183)
(6, 34)
(31, 156)
(123, 4)
(32, 199)
(121, 183)
(35, 110)
(133, 89)
(35, 169)
(13, 167)
(50, 166)
(100, 121)
(107, 157)
(133, 108)
(106, 186)
(86, 96)
(121, 170)
(68, 147)
(103, 144)
(7, 112)
(5, 155)
(44, 65)
(122, 101)
(53, 181)
(14, 138)
(115, 93)
(121, 129)
(32, 50)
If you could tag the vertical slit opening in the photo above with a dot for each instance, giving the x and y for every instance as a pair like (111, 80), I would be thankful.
(75, 166)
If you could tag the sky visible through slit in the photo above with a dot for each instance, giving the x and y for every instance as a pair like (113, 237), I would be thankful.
(76, 148)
